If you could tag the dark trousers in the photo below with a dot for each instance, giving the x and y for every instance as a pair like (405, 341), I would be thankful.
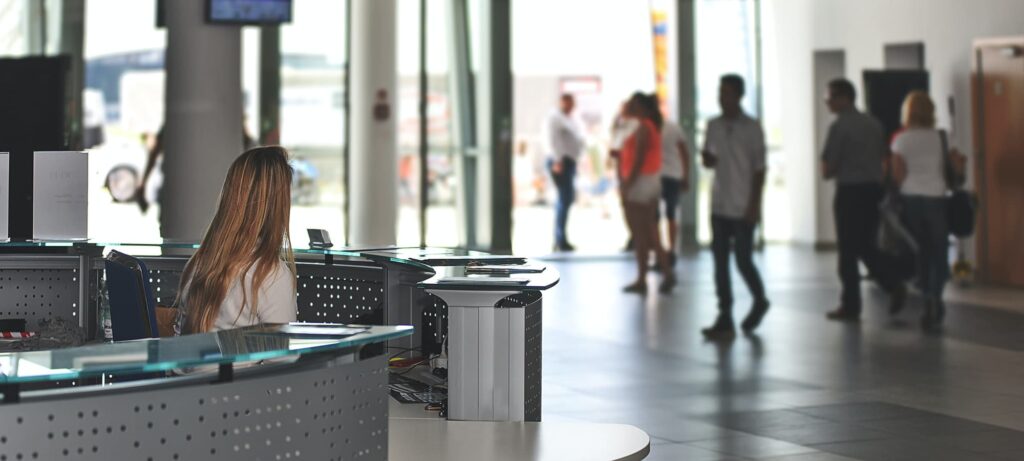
(565, 184)
(856, 217)
(731, 234)
(926, 220)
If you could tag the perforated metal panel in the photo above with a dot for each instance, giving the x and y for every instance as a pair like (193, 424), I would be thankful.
(319, 409)
(40, 288)
(326, 293)
(340, 294)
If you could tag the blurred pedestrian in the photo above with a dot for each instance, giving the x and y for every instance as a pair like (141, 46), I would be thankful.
(854, 151)
(640, 170)
(565, 143)
(675, 174)
(734, 147)
(925, 169)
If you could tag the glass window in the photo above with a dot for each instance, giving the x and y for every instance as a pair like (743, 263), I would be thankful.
(728, 42)
(312, 112)
(441, 178)
(123, 111)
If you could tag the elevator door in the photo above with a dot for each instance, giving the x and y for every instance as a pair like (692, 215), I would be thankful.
(999, 101)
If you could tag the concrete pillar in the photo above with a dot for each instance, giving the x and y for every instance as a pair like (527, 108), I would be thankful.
(373, 158)
(203, 117)
(686, 85)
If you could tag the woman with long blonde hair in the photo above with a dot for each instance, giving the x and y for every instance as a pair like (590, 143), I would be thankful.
(244, 271)
(924, 167)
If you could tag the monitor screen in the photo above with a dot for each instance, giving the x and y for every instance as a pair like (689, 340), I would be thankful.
(249, 11)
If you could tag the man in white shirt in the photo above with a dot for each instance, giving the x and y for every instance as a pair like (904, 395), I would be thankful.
(734, 146)
(564, 145)
(675, 174)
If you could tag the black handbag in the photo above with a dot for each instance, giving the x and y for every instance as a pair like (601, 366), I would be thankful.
(960, 204)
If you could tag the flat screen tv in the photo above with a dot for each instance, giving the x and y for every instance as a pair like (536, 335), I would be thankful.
(248, 11)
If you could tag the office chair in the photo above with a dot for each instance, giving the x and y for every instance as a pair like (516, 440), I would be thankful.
(132, 305)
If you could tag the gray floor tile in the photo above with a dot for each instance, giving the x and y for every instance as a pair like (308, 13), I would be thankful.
(905, 449)
(1002, 440)
(812, 434)
(821, 456)
(934, 425)
(680, 452)
(861, 411)
(755, 421)
(749, 446)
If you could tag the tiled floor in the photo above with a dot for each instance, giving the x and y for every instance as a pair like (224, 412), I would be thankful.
(802, 388)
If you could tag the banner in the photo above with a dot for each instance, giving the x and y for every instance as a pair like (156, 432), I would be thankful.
(660, 39)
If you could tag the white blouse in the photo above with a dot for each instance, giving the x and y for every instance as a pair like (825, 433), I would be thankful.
(277, 302)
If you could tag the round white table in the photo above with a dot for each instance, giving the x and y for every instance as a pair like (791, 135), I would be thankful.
(412, 437)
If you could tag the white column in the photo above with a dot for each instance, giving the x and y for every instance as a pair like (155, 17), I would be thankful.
(203, 117)
(373, 152)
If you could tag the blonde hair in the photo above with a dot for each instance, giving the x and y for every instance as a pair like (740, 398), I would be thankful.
(918, 110)
(249, 230)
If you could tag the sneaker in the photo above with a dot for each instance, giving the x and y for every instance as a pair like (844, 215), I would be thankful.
(755, 316)
(897, 299)
(723, 328)
(843, 315)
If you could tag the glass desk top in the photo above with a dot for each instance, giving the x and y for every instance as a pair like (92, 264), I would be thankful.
(439, 263)
(155, 355)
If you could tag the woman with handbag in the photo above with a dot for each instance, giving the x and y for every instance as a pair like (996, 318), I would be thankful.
(926, 170)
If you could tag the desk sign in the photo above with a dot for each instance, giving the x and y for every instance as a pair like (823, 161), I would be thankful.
(60, 188)
(5, 193)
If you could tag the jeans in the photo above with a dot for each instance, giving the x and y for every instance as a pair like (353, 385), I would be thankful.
(739, 235)
(565, 185)
(925, 218)
(856, 217)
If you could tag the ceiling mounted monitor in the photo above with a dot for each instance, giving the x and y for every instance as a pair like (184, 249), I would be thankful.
(249, 11)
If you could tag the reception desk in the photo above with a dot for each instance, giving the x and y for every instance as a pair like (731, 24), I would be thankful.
(255, 393)
(489, 334)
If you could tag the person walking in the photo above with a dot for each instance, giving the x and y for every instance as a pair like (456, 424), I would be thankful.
(675, 174)
(924, 168)
(853, 155)
(639, 168)
(734, 147)
(565, 143)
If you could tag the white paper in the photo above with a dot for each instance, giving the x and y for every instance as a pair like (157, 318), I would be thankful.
(5, 194)
(60, 205)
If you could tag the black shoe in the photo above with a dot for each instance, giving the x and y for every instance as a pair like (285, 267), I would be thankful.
(897, 299)
(564, 247)
(639, 288)
(723, 328)
(755, 316)
(668, 283)
(843, 315)
(931, 319)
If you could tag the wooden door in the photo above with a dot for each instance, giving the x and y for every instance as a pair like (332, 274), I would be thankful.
(999, 163)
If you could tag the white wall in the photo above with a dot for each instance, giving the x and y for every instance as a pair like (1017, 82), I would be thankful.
(862, 28)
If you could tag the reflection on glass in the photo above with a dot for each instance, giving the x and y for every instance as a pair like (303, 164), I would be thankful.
(228, 346)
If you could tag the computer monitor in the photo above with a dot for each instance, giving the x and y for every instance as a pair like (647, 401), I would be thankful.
(248, 11)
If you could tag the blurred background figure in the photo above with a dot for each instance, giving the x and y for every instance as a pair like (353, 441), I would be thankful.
(675, 173)
(640, 170)
(925, 169)
(734, 147)
(564, 144)
(853, 155)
